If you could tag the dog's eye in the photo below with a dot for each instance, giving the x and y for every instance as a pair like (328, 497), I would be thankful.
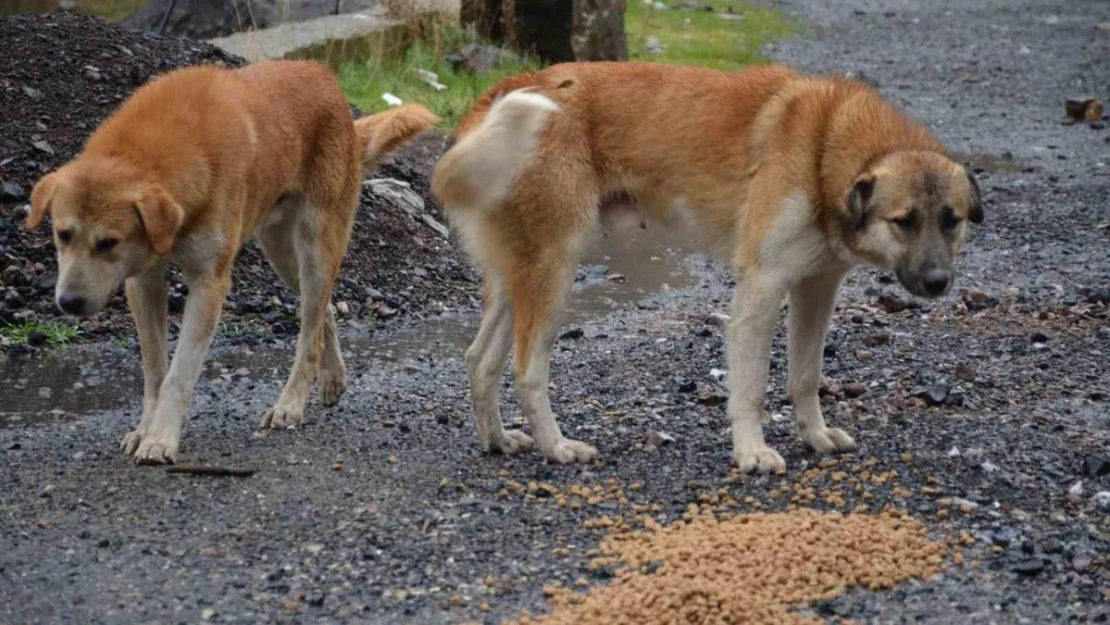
(905, 222)
(948, 219)
(106, 245)
(65, 236)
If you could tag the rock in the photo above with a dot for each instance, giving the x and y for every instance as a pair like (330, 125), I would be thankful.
(717, 320)
(479, 59)
(712, 398)
(1096, 465)
(343, 308)
(1029, 567)
(573, 333)
(687, 386)
(44, 146)
(386, 312)
(892, 303)
(864, 355)
(32, 93)
(1102, 500)
(1039, 337)
(1083, 110)
(718, 374)
(877, 339)
(12, 192)
(13, 300)
(1052, 545)
(863, 77)
(1082, 562)
(652, 45)
(965, 373)
(691, 5)
(1002, 538)
(934, 395)
(854, 389)
(976, 300)
(659, 439)
(1075, 493)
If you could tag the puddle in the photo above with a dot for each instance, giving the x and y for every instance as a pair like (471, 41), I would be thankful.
(990, 163)
(67, 382)
(617, 271)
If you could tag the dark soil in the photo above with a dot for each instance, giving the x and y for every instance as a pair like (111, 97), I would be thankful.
(61, 74)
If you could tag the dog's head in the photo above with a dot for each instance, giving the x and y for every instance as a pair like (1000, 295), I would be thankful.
(909, 213)
(109, 224)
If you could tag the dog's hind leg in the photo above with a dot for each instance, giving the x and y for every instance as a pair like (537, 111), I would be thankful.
(277, 243)
(485, 360)
(811, 307)
(146, 296)
(319, 239)
(538, 293)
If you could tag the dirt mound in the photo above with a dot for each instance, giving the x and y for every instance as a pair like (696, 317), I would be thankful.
(62, 74)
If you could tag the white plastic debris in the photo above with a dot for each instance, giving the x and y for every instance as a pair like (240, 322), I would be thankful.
(431, 78)
(392, 100)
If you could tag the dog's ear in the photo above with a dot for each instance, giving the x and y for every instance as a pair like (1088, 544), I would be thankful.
(161, 217)
(859, 198)
(40, 200)
(975, 214)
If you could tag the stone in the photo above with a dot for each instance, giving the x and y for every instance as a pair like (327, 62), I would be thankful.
(12, 192)
(854, 389)
(1096, 465)
(1029, 567)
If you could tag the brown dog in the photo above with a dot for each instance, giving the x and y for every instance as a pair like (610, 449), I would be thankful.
(793, 180)
(190, 167)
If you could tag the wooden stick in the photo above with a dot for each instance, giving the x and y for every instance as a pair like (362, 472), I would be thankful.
(199, 469)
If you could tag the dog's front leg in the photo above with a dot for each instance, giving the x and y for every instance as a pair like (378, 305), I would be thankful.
(202, 313)
(755, 309)
(811, 307)
(146, 296)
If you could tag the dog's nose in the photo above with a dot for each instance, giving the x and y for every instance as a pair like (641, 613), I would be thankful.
(936, 281)
(71, 304)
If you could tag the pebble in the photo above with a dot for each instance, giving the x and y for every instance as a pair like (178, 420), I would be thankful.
(717, 320)
(1102, 500)
(573, 333)
(1096, 466)
(854, 389)
(1029, 567)
(718, 374)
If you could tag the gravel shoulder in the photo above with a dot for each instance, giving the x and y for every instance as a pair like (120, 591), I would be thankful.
(991, 405)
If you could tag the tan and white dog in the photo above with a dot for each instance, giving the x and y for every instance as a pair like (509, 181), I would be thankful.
(794, 180)
(186, 171)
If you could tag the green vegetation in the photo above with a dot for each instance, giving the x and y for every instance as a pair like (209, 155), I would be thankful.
(727, 37)
(365, 82)
(56, 333)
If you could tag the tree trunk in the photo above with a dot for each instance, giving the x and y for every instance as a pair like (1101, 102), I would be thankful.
(598, 31)
(542, 28)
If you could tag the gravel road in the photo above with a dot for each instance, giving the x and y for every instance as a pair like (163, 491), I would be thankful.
(384, 510)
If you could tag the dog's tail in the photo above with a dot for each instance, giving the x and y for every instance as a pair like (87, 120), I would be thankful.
(477, 173)
(381, 133)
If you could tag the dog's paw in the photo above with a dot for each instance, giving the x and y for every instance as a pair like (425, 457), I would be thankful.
(332, 384)
(131, 442)
(511, 442)
(279, 417)
(828, 440)
(155, 450)
(760, 459)
(567, 451)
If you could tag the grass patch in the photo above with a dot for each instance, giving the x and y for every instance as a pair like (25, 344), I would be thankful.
(365, 82)
(716, 39)
(114, 10)
(56, 333)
